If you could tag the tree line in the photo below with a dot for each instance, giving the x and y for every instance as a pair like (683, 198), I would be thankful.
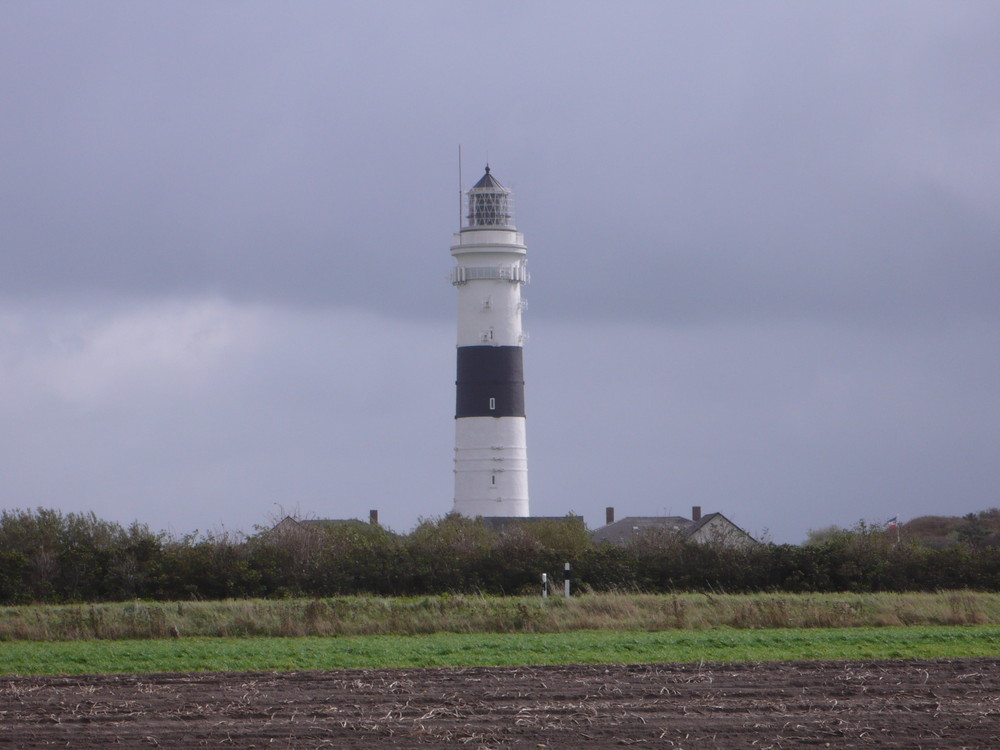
(47, 556)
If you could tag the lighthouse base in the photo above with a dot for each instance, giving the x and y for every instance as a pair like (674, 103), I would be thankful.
(491, 467)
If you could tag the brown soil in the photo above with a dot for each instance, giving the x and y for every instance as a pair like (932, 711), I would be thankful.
(892, 704)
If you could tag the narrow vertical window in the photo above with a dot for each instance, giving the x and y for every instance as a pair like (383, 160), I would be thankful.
(493, 403)
(493, 480)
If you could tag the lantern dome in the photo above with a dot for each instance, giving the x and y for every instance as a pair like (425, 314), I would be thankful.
(490, 203)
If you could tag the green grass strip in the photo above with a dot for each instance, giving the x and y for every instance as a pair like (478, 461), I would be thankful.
(595, 647)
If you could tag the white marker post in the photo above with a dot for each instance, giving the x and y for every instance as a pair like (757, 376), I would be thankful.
(566, 580)
(545, 585)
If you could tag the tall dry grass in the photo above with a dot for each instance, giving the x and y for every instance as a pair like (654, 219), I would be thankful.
(476, 614)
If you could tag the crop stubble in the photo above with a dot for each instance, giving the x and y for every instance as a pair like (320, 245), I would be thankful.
(889, 704)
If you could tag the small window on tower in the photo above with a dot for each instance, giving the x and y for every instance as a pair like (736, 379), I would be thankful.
(493, 480)
(493, 403)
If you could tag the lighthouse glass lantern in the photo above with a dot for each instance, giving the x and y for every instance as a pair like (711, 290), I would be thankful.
(489, 203)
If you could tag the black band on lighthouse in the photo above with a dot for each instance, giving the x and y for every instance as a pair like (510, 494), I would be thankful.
(490, 381)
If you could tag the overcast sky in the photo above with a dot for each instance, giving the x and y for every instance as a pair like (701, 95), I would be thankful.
(764, 241)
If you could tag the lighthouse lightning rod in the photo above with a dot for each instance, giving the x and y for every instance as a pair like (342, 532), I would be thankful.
(459, 185)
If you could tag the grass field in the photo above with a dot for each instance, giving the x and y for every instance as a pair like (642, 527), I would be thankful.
(496, 649)
(144, 637)
(358, 615)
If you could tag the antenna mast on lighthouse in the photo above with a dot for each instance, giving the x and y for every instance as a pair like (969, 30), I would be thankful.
(491, 457)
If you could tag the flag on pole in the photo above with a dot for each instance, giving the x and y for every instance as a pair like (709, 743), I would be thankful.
(891, 523)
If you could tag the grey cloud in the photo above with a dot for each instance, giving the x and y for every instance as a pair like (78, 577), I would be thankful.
(252, 154)
(762, 239)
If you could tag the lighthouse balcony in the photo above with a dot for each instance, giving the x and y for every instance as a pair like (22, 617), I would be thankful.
(516, 274)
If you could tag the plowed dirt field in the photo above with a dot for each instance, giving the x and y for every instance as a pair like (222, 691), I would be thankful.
(892, 704)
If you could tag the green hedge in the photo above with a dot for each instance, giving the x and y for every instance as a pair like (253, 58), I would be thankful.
(46, 556)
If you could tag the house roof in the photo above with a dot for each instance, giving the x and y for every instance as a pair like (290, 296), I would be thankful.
(319, 523)
(501, 523)
(628, 528)
(288, 524)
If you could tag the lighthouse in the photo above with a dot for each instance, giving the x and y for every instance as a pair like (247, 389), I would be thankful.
(491, 455)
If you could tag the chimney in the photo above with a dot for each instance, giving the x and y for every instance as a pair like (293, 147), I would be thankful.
(609, 515)
(696, 513)
(373, 517)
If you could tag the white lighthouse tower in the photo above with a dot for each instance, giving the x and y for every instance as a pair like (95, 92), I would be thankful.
(491, 456)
